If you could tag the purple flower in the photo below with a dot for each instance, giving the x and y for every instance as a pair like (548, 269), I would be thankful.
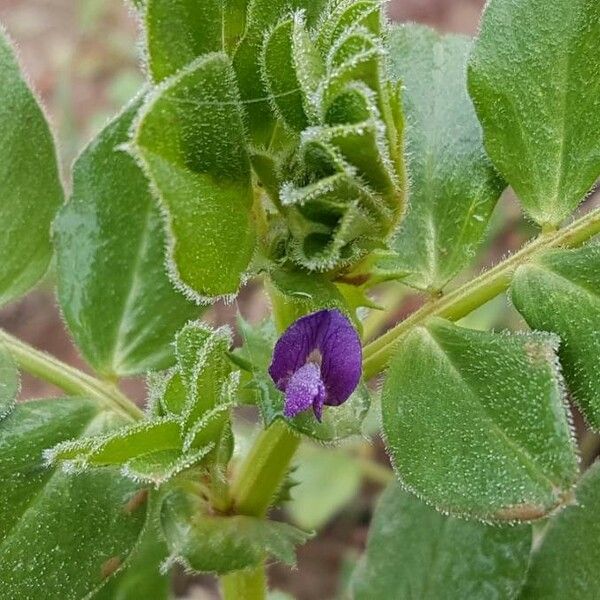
(317, 361)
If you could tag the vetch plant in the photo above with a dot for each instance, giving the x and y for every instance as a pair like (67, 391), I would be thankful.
(312, 147)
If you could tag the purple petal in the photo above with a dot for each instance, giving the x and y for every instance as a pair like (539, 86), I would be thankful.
(341, 366)
(327, 337)
(304, 390)
(295, 346)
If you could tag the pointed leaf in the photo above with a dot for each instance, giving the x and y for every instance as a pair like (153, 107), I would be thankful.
(31, 190)
(205, 543)
(191, 140)
(112, 282)
(415, 552)
(263, 15)
(291, 68)
(560, 292)
(204, 366)
(476, 422)
(454, 187)
(61, 535)
(566, 564)
(534, 77)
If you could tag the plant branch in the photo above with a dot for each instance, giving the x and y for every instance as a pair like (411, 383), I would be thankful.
(479, 291)
(68, 378)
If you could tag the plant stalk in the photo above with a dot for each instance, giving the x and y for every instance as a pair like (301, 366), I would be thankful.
(477, 292)
(67, 378)
(244, 585)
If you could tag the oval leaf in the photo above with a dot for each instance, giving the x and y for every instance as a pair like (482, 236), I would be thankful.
(192, 143)
(31, 190)
(112, 283)
(454, 186)
(534, 77)
(416, 552)
(566, 564)
(560, 292)
(476, 422)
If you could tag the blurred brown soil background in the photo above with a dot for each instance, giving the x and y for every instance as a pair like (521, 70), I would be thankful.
(82, 58)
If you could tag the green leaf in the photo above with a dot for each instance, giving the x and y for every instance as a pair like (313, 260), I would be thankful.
(205, 368)
(298, 293)
(29, 179)
(112, 284)
(206, 543)
(61, 535)
(179, 31)
(291, 68)
(415, 552)
(317, 498)
(476, 422)
(10, 382)
(261, 17)
(533, 77)
(192, 143)
(566, 564)
(148, 451)
(454, 187)
(142, 576)
(560, 292)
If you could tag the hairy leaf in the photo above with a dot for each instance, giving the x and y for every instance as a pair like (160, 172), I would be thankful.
(10, 382)
(454, 187)
(191, 139)
(179, 31)
(301, 293)
(207, 543)
(291, 68)
(261, 17)
(560, 292)
(415, 552)
(61, 535)
(31, 190)
(112, 283)
(535, 79)
(476, 422)
(566, 564)
(142, 576)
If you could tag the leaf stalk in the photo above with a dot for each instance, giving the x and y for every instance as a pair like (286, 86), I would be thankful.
(480, 290)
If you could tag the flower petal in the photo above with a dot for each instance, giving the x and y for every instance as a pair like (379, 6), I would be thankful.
(304, 390)
(326, 339)
(295, 346)
(341, 366)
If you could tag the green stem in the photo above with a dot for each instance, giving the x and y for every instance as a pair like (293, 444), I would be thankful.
(68, 378)
(263, 470)
(261, 475)
(480, 290)
(244, 585)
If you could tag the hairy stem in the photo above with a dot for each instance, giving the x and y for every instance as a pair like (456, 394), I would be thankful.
(482, 289)
(68, 378)
(264, 469)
